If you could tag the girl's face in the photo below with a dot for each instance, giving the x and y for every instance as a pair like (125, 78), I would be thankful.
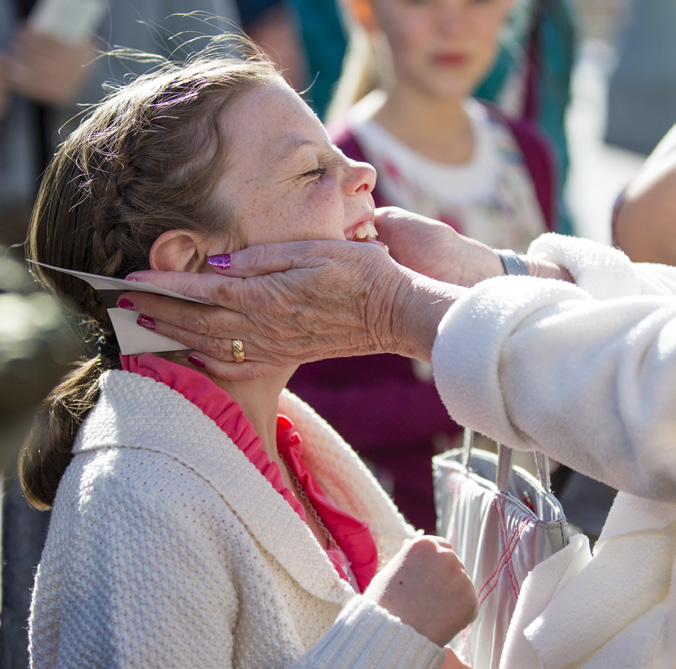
(445, 47)
(287, 181)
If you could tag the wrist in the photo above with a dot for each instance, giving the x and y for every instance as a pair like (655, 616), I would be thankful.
(515, 265)
(418, 308)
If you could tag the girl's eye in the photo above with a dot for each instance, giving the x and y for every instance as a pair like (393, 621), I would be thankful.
(317, 172)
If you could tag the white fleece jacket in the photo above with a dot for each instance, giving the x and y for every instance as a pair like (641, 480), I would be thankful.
(586, 374)
(167, 548)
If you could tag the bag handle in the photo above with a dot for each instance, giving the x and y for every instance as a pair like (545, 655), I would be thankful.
(503, 473)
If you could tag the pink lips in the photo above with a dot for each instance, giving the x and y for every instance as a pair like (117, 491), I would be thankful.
(450, 59)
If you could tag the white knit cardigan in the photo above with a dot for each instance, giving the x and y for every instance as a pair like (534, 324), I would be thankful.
(587, 374)
(168, 548)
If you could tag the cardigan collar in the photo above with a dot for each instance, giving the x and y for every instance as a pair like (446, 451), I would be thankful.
(138, 412)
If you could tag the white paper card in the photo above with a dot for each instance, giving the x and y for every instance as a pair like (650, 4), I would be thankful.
(131, 338)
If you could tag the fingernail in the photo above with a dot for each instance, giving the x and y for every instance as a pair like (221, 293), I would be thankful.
(196, 360)
(146, 322)
(124, 303)
(131, 278)
(220, 262)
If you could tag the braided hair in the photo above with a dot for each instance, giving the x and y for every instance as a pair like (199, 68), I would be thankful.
(147, 159)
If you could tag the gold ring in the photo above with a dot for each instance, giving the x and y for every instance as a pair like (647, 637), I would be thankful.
(238, 350)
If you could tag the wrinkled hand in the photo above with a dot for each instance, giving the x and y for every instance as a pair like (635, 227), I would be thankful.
(434, 249)
(46, 70)
(426, 586)
(297, 302)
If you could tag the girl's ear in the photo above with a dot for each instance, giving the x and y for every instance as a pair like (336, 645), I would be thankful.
(362, 11)
(179, 251)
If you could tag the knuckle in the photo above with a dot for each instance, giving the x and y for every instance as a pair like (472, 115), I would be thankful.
(198, 322)
(257, 255)
(216, 348)
(423, 545)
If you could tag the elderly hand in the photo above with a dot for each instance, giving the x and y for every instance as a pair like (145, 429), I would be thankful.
(46, 70)
(297, 302)
(436, 250)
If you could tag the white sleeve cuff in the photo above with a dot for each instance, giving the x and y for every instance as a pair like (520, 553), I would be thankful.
(366, 635)
(602, 271)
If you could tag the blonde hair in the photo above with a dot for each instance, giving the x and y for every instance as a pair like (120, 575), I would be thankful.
(147, 159)
(362, 70)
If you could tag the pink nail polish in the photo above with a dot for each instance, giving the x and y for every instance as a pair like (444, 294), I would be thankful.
(196, 360)
(131, 278)
(124, 303)
(220, 262)
(146, 322)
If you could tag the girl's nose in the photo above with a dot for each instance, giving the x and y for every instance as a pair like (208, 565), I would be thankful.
(359, 177)
(450, 17)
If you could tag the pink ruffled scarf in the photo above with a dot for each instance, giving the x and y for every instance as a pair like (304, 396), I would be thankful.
(356, 559)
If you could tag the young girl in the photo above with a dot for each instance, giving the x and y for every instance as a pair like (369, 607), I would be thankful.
(193, 524)
(440, 153)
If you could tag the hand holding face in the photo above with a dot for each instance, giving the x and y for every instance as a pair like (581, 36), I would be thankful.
(46, 70)
(295, 302)
(426, 586)
(435, 249)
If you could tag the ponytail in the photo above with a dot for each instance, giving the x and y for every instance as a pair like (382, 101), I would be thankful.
(48, 450)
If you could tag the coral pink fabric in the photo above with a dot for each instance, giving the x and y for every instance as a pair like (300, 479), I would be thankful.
(358, 549)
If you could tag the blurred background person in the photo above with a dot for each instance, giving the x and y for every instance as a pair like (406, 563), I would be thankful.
(644, 215)
(404, 104)
(274, 26)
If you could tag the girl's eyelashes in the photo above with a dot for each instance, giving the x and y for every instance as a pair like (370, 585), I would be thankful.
(317, 172)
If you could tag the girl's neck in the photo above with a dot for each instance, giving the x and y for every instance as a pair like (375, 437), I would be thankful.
(438, 128)
(259, 400)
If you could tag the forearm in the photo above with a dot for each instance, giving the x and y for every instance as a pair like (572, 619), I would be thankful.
(418, 305)
(542, 365)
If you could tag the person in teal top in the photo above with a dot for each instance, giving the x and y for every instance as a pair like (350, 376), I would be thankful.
(537, 54)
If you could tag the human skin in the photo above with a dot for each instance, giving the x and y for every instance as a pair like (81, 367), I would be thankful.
(644, 221)
(426, 564)
(443, 48)
(436, 55)
(302, 301)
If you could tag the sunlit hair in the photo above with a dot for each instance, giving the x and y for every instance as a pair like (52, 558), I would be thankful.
(145, 160)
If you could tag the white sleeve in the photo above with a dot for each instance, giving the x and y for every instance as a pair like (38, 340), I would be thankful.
(602, 271)
(541, 364)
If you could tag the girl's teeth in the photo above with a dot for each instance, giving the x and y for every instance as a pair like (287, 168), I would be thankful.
(366, 231)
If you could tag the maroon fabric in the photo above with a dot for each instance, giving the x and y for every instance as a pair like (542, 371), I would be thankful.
(541, 163)
(388, 416)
